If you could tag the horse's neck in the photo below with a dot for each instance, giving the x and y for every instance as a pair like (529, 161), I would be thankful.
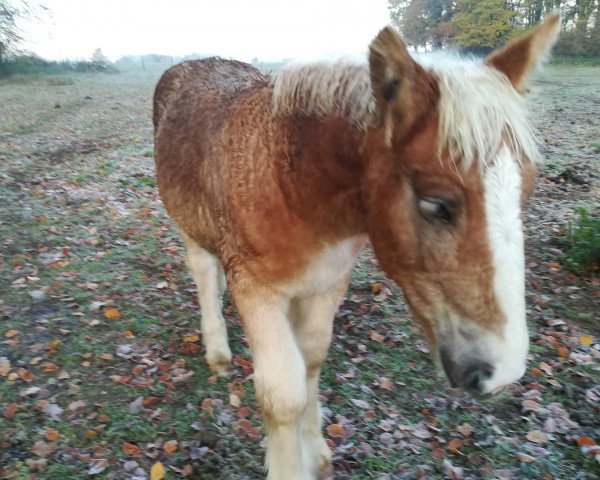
(325, 171)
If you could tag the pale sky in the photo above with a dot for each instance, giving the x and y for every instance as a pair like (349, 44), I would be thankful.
(267, 29)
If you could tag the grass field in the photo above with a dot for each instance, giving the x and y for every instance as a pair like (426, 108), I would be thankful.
(101, 364)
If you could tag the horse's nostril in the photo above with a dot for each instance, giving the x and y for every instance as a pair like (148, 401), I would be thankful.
(476, 374)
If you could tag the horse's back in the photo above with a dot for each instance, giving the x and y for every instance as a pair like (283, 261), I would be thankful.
(223, 78)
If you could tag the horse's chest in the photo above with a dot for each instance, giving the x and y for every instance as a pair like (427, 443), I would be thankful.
(325, 269)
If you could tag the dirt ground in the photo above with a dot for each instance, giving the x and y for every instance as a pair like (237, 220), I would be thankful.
(101, 368)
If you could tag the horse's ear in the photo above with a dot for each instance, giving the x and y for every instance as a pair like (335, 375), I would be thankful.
(396, 79)
(520, 56)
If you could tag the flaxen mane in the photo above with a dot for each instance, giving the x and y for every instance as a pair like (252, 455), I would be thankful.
(479, 109)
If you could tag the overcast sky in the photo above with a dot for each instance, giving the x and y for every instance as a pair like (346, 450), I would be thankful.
(266, 29)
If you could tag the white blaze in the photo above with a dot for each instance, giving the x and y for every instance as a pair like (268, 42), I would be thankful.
(502, 191)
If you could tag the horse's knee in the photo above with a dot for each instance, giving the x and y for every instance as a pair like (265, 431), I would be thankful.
(282, 393)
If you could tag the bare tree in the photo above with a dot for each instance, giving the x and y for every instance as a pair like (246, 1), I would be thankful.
(11, 11)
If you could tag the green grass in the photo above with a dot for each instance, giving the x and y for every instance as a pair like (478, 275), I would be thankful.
(582, 244)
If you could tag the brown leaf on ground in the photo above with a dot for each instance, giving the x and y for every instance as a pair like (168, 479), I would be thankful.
(11, 410)
(49, 367)
(43, 449)
(51, 434)
(454, 445)
(170, 446)
(585, 442)
(465, 429)
(335, 430)
(386, 383)
(376, 337)
(131, 450)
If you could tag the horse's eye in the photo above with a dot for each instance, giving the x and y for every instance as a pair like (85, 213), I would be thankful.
(436, 210)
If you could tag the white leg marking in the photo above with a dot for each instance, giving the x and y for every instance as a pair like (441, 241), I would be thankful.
(207, 272)
(313, 323)
(502, 185)
(279, 376)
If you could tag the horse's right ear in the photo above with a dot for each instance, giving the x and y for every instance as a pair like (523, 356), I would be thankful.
(396, 79)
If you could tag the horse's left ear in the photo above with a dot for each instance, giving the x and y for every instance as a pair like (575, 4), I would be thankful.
(520, 56)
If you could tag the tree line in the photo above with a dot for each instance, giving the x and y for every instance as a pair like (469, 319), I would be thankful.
(479, 26)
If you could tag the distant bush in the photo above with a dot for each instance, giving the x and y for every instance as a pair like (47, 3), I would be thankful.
(30, 64)
(59, 81)
(582, 243)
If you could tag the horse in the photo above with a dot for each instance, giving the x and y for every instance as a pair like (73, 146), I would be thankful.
(276, 182)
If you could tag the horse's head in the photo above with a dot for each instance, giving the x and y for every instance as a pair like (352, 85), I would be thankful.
(451, 161)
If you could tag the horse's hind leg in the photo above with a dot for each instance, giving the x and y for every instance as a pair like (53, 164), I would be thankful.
(313, 323)
(207, 272)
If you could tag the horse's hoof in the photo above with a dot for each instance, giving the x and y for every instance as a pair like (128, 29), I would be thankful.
(221, 369)
(325, 472)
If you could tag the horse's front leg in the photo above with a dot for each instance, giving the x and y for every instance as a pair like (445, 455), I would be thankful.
(279, 377)
(313, 323)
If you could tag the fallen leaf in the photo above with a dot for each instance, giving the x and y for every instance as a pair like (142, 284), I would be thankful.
(537, 436)
(386, 383)
(4, 366)
(51, 434)
(585, 442)
(157, 472)
(131, 450)
(376, 337)
(77, 405)
(112, 313)
(563, 352)
(376, 287)
(43, 449)
(525, 458)
(98, 466)
(191, 338)
(465, 429)
(136, 405)
(149, 401)
(186, 471)
(360, 403)
(11, 333)
(422, 433)
(531, 405)
(53, 411)
(25, 375)
(546, 368)
(454, 445)
(335, 430)
(586, 340)
(206, 405)
(170, 446)
(11, 410)
(28, 392)
(49, 367)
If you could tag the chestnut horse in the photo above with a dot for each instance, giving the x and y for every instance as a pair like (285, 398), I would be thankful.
(276, 182)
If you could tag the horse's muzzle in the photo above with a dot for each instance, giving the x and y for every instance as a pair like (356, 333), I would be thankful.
(469, 375)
